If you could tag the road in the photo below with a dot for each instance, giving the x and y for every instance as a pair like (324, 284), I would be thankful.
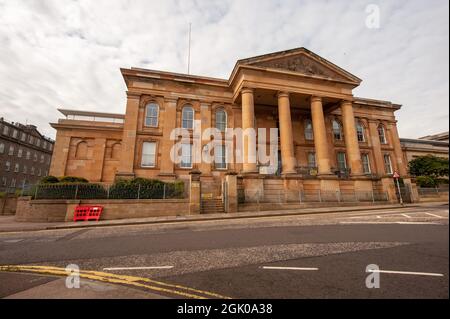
(306, 256)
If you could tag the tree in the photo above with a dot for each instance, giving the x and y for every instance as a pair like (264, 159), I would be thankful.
(429, 165)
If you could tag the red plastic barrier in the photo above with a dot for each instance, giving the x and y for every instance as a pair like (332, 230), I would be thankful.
(87, 213)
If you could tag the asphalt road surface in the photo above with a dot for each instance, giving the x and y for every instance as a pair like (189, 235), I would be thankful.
(307, 256)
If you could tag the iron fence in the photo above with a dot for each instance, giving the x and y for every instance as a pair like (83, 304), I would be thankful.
(311, 196)
(104, 191)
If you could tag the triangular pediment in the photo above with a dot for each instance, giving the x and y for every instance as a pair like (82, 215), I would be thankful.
(301, 61)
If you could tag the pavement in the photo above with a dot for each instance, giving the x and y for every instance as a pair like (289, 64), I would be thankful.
(9, 224)
(320, 255)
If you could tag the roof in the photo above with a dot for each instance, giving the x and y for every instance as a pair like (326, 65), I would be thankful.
(67, 112)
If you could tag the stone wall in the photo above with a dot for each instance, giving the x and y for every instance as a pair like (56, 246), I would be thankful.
(8, 205)
(62, 210)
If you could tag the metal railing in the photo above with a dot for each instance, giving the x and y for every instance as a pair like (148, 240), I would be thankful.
(433, 191)
(99, 191)
(312, 196)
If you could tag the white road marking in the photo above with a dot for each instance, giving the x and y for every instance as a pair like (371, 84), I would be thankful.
(401, 223)
(407, 216)
(12, 240)
(289, 268)
(406, 272)
(433, 215)
(138, 268)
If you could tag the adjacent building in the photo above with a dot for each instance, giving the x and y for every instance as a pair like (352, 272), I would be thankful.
(329, 139)
(436, 145)
(25, 155)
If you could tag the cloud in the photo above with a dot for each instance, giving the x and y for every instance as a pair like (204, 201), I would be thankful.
(67, 53)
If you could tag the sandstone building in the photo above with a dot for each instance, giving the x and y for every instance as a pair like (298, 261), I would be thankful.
(329, 139)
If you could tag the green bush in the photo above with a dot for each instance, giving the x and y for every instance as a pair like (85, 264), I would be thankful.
(49, 180)
(426, 181)
(73, 179)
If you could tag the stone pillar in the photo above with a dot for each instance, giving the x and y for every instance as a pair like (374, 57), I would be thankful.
(98, 159)
(320, 136)
(401, 165)
(376, 147)
(170, 120)
(286, 138)
(351, 139)
(194, 193)
(60, 154)
(231, 202)
(248, 122)
(126, 168)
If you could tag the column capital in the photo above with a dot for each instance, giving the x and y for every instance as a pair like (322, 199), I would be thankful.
(346, 102)
(283, 94)
(315, 98)
(246, 90)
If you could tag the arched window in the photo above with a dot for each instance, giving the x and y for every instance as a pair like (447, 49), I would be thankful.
(360, 131)
(151, 115)
(81, 151)
(187, 117)
(221, 120)
(309, 130)
(381, 134)
(337, 130)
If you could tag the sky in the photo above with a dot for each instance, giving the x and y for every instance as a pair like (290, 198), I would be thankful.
(67, 53)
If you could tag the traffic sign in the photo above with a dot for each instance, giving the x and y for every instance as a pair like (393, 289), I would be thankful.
(396, 175)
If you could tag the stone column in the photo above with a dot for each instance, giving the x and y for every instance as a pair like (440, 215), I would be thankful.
(98, 159)
(286, 138)
(248, 122)
(194, 193)
(320, 136)
(60, 153)
(170, 120)
(401, 165)
(376, 146)
(351, 139)
(126, 168)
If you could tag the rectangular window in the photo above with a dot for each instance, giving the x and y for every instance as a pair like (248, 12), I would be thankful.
(42, 158)
(148, 154)
(220, 157)
(39, 172)
(16, 167)
(365, 163)
(13, 182)
(32, 170)
(14, 134)
(19, 152)
(387, 164)
(30, 139)
(311, 159)
(341, 161)
(5, 130)
(28, 155)
(24, 169)
(4, 181)
(38, 142)
(23, 137)
(11, 150)
(186, 156)
(7, 166)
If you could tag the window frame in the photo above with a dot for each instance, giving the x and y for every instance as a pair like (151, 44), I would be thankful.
(223, 156)
(340, 132)
(382, 137)
(313, 154)
(187, 107)
(360, 132)
(391, 169)
(366, 155)
(182, 156)
(154, 154)
(155, 117)
(225, 123)
(307, 131)
(338, 161)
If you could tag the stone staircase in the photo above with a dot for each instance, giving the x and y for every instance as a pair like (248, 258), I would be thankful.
(212, 206)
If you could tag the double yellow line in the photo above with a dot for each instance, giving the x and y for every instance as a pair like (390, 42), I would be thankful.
(141, 282)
